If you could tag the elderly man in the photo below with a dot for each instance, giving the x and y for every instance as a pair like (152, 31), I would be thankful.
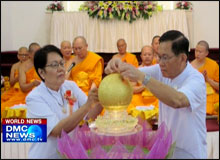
(210, 70)
(89, 66)
(180, 89)
(28, 79)
(124, 55)
(142, 96)
(66, 51)
(22, 56)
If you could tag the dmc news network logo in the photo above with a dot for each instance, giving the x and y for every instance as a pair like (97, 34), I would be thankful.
(24, 130)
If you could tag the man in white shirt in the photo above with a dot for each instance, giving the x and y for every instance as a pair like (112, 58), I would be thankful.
(181, 91)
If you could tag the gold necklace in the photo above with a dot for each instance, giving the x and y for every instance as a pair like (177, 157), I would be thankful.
(62, 106)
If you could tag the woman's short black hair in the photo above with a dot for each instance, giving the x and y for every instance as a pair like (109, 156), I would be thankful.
(180, 44)
(40, 57)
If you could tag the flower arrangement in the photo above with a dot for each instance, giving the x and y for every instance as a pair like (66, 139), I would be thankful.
(55, 6)
(122, 10)
(184, 5)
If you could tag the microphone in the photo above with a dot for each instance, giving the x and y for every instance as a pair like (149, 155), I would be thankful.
(71, 66)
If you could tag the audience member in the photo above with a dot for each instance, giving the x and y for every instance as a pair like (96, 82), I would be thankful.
(142, 96)
(124, 55)
(66, 51)
(155, 46)
(28, 79)
(89, 67)
(210, 70)
(22, 57)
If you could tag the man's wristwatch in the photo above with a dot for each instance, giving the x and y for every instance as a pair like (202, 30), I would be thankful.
(146, 79)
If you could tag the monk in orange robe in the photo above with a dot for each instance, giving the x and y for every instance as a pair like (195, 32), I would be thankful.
(28, 79)
(210, 70)
(89, 67)
(66, 51)
(124, 55)
(22, 57)
(155, 46)
(142, 96)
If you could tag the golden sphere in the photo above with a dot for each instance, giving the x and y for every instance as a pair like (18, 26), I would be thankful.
(114, 92)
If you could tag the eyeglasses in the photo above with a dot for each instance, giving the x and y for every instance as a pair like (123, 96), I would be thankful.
(164, 58)
(55, 65)
(23, 55)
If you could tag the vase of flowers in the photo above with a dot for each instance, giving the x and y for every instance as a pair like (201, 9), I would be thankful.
(121, 10)
(55, 6)
(186, 5)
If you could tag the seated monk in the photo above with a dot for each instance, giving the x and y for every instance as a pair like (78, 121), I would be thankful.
(22, 57)
(124, 55)
(141, 95)
(28, 79)
(66, 51)
(210, 70)
(155, 46)
(88, 70)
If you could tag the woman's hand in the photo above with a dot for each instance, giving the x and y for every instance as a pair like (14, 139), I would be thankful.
(93, 97)
(94, 104)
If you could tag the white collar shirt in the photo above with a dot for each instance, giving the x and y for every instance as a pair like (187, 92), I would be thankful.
(42, 104)
(188, 124)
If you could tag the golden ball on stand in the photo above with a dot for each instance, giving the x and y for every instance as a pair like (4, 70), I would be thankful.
(114, 92)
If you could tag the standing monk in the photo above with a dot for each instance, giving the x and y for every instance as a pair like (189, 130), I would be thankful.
(28, 79)
(66, 51)
(88, 70)
(210, 70)
(124, 55)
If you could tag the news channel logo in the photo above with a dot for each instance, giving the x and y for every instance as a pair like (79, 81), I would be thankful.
(24, 130)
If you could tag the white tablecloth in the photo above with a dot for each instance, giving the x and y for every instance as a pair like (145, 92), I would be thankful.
(20, 150)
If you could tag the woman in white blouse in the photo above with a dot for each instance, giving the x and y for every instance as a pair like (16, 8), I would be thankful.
(48, 101)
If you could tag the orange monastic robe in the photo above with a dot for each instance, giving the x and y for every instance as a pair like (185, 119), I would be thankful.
(68, 63)
(130, 59)
(19, 97)
(154, 61)
(212, 69)
(12, 91)
(88, 71)
(145, 98)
